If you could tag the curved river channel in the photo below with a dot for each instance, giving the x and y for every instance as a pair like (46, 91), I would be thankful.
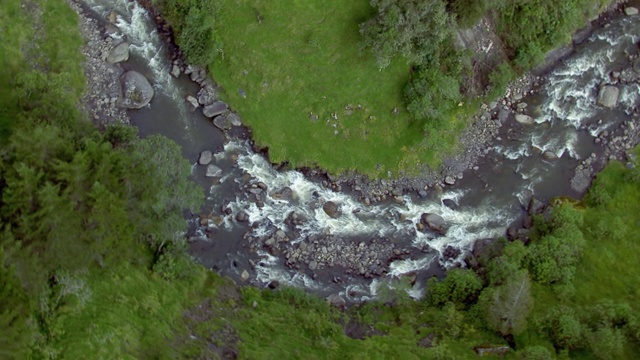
(367, 246)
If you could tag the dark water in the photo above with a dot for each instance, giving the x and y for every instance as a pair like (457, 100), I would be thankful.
(487, 200)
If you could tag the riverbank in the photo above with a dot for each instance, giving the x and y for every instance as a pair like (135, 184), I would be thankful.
(474, 141)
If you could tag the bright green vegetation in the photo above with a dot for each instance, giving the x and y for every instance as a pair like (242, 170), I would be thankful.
(318, 81)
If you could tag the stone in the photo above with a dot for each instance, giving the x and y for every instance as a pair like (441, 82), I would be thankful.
(213, 171)
(422, 193)
(205, 158)
(135, 91)
(222, 122)
(234, 119)
(336, 301)
(283, 194)
(206, 95)
(630, 10)
(113, 17)
(549, 155)
(435, 222)
(608, 96)
(449, 180)
(313, 265)
(503, 115)
(192, 101)
(242, 216)
(245, 275)
(522, 105)
(524, 119)
(450, 204)
(214, 109)
(175, 70)
(119, 53)
(581, 180)
(331, 209)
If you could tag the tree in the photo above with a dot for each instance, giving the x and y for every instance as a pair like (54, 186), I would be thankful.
(411, 28)
(461, 286)
(15, 332)
(511, 305)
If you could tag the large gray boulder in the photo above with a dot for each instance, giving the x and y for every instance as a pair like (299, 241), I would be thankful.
(434, 222)
(222, 122)
(331, 209)
(215, 109)
(608, 96)
(581, 180)
(524, 119)
(630, 10)
(119, 53)
(135, 90)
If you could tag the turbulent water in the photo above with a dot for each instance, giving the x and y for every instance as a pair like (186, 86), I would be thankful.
(485, 201)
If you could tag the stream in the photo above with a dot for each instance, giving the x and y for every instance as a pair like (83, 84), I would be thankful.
(288, 238)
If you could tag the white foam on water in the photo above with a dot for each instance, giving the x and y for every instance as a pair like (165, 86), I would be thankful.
(268, 270)
(401, 267)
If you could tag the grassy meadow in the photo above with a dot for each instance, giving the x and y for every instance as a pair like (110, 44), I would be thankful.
(296, 60)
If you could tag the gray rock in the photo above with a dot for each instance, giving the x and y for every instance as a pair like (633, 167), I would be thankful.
(549, 155)
(524, 119)
(119, 53)
(214, 109)
(435, 222)
(283, 194)
(422, 193)
(449, 180)
(192, 101)
(205, 158)
(331, 209)
(135, 90)
(175, 70)
(336, 300)
(608, 96)
(234, 119)
(630, 10)
(522, 105)
(242, 216)
(245, 275)
(503, 115)
(313, 265)
(581, 180)
(206, 95)
(213, 171)
(222, 122)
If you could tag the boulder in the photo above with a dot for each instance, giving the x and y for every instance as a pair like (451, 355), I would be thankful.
(581, 180)
(524, 119)
(135, 90)
(242, 216)
(213, 171)
(608, 96)
(435, 222)
(536, 207)
(222, 122)
(503, 115)
(214, 109)
(450, 204)
(119, 53)
(283, 194)
(205, 157)
(331, 209)
(630, 10)
(549, 155)
(245, 275)
(192, 101)
(449, 180)
(206, 95)
(234, 119)
(336, 300)
(175, 70)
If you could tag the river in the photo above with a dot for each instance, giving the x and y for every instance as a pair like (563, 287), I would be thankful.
(347, 255)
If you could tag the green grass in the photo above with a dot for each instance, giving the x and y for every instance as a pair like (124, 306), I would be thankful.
(304, 57)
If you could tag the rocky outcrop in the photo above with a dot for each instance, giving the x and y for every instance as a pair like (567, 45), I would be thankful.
(608, 96)
(136, 91)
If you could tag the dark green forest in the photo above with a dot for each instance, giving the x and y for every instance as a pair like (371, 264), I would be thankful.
(94, 263)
